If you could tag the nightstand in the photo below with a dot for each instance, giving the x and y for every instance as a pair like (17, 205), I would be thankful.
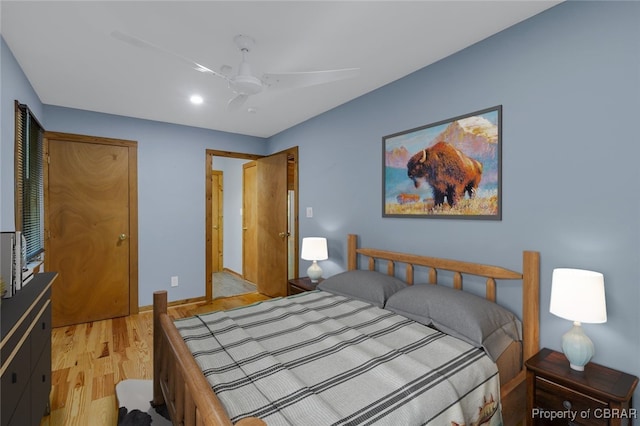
(558, 395)
(300, 285)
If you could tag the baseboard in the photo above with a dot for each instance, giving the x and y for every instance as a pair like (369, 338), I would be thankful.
(232, 272)
(175, 303)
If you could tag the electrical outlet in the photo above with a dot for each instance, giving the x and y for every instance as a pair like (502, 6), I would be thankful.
(174, 281)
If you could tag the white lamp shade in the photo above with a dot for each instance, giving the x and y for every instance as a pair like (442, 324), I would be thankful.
(578, 295)
(314, 248)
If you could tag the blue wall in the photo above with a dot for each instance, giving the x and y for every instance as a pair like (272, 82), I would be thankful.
(569, 83)
(13, 86)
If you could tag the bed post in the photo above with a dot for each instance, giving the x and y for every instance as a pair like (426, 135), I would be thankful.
(159, 308)
(352, 255)
(531, 303)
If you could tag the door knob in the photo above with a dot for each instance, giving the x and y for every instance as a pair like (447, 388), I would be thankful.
(283, 234)
(123, 237)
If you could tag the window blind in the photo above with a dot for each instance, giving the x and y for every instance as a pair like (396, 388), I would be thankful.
(29, 191)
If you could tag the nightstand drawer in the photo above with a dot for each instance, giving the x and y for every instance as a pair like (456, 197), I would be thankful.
(596, 396)
(294, 289)
(553, 397)
(300, 285)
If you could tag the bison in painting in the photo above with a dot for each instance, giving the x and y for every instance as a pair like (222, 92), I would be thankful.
(448, 171)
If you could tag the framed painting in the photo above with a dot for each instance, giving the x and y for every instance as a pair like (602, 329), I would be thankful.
(449, 169)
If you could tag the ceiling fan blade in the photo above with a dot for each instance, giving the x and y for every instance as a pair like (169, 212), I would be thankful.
(294, 80)
(236, 102)
(143, 44)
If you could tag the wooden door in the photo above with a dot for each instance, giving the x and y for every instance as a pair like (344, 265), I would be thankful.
(91, 227)
(217, 262)
(249, 223)
(272, 224)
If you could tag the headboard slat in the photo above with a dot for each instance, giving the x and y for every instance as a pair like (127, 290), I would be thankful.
(409, 274)
(433, 276)
(491, 289)
(457, 280)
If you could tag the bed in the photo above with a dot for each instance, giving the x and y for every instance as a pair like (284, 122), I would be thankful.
(248, 370)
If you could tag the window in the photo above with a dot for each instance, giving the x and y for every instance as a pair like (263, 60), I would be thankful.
(29, 180)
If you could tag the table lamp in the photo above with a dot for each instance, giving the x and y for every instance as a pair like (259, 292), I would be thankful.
(578, 295)
(314, 248)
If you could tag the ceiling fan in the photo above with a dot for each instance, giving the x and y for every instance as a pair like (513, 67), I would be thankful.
(244, 83)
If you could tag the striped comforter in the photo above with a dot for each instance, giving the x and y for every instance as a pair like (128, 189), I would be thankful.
(320, 359)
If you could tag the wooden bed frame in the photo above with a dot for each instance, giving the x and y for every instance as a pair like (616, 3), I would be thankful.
(179, 383)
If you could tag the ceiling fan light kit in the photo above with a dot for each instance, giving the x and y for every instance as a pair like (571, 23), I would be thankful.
(244, 82)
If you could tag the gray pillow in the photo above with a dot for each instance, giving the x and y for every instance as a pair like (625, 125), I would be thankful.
(460, 314)
(369, 286)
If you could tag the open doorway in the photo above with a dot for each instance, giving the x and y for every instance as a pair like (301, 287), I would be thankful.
(232, 206)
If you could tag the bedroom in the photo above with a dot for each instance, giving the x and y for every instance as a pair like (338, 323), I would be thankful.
(568, 83)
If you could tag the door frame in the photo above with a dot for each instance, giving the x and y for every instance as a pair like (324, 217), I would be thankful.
(132, 146)
(249, 222)
(210, 153)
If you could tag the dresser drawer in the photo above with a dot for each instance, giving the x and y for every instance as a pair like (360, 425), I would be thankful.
(14, 382)
(22, 414)
(554, 397)
(41, 333)
(11, 342)
(41, 386)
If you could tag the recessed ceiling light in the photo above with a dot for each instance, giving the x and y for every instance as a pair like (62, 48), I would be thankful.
(196, 99)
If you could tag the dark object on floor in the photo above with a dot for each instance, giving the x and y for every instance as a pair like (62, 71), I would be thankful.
(138, 418)
(133, 396)
(133, 418)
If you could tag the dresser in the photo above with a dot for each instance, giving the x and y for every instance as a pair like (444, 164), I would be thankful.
(25, 353)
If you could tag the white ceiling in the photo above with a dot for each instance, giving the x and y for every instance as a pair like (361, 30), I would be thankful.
(68, 54)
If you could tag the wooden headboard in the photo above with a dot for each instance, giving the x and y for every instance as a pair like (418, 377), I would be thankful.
(530, 277)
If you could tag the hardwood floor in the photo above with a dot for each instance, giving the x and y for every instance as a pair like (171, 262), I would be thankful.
(89, 359)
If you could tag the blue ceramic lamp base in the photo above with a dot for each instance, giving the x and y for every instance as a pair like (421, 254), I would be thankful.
(577, 347)
(314, 272)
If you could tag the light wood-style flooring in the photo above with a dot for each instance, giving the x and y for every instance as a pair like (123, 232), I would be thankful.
(89, 359)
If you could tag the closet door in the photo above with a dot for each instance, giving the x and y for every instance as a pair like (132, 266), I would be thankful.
(90, 237)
